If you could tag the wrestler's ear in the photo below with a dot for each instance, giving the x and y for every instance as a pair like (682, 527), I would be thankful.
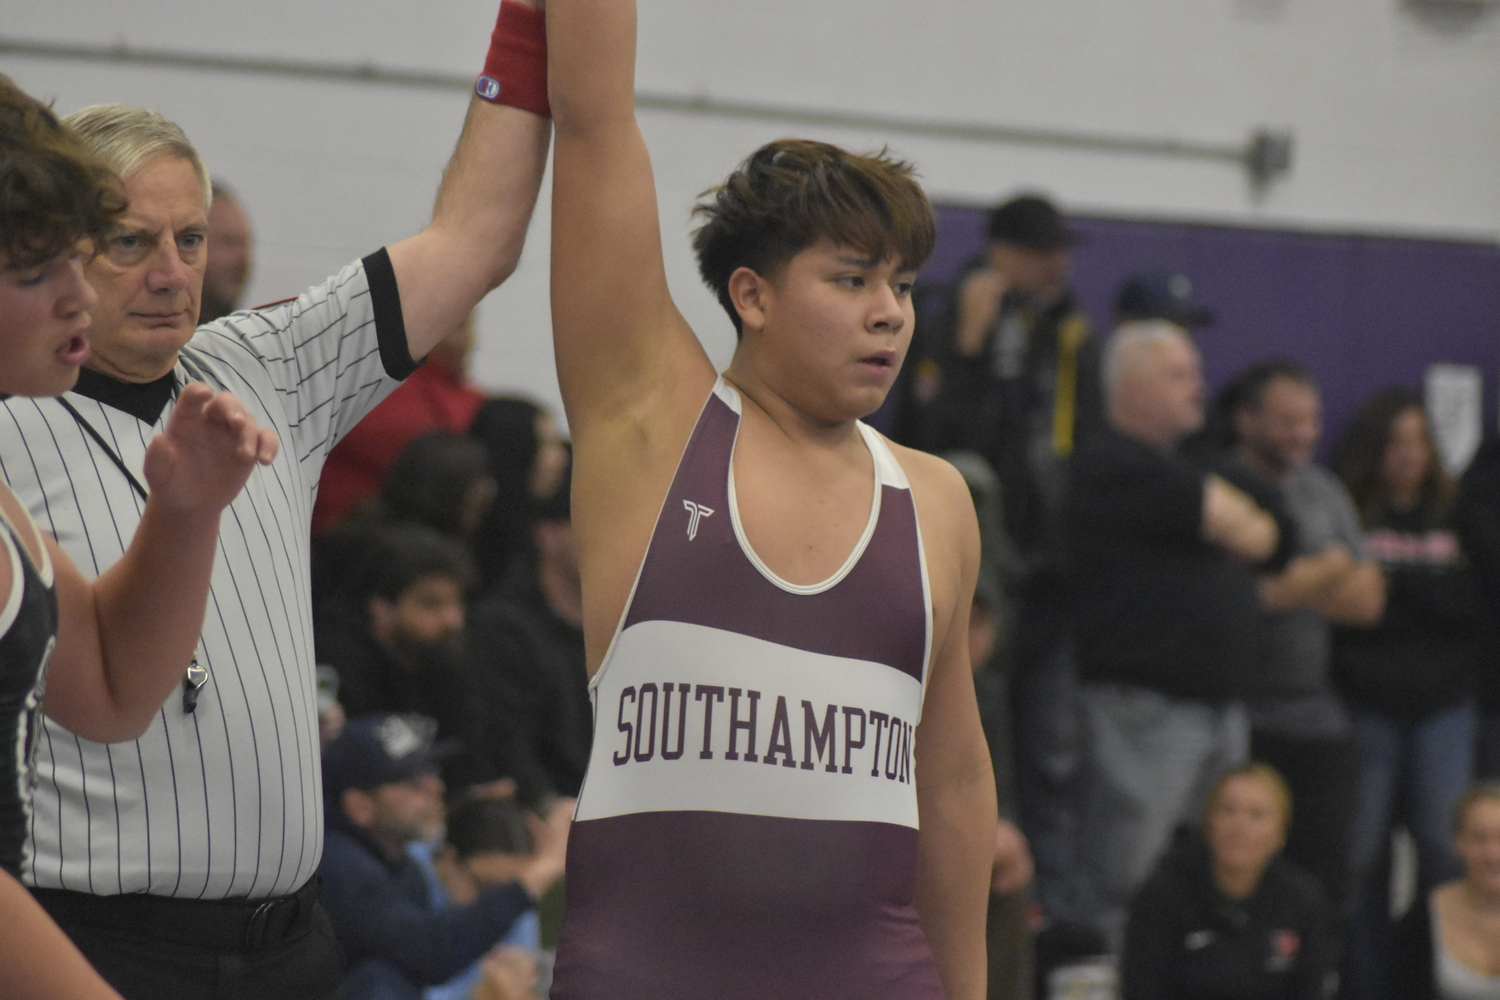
(750, 294)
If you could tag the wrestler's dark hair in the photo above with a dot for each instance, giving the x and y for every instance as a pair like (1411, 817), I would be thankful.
(794, 192)
(53, 192)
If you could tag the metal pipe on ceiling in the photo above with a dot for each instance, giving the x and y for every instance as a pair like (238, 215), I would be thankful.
(1264, 156)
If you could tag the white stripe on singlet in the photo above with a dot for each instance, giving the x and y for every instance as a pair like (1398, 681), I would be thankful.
(225, 801)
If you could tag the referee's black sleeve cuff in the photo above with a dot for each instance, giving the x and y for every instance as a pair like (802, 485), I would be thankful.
(390, 327)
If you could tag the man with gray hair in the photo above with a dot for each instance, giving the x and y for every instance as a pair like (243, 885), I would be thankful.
(182, 863)
(1164, 552)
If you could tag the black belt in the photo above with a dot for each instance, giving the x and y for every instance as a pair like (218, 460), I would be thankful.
(222, 924)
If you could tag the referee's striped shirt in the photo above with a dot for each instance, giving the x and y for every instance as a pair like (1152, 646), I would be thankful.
(225, 801)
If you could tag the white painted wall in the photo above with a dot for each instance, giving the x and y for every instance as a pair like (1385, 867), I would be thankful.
(1395, 108)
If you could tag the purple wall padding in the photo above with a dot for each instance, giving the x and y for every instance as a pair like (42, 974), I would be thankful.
(1359, 311)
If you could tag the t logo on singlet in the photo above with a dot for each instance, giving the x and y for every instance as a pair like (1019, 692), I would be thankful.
(696, 511)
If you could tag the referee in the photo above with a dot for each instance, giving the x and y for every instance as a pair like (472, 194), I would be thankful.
(182, 863)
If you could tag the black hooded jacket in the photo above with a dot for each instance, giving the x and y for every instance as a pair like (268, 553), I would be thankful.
(1185, 940)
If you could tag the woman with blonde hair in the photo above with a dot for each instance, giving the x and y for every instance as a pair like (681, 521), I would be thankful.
(1225, 916)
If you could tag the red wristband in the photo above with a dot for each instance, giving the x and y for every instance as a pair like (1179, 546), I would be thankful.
(515, 71)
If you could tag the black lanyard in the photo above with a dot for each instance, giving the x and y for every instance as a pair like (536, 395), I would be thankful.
(197, 674)
(114, 456)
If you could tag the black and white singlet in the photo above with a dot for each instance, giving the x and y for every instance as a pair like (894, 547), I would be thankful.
(28, 633)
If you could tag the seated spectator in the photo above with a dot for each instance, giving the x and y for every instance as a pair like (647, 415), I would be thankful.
(1448, 944)
(382, 793)
(527, 459)
(487, 839)
(528, 661)
(441, 480)
(1225, 916)
(398, 644)
(437, 397)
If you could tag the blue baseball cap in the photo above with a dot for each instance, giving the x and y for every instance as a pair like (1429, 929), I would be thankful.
(379, 750)
(1161, 293)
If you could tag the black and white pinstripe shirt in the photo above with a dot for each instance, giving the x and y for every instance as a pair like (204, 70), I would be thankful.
(225, 801)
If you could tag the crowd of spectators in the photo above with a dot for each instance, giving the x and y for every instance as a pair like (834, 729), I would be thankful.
(1216, 677)
(447, 607)
(1169, 590)
(1191, 592)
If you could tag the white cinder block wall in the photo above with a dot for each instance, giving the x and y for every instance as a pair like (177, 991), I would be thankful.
(1395, 109)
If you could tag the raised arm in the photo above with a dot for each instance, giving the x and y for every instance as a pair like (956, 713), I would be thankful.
(633, 376)
(484, 203)
(955, 785)
(621, 344)
(125, 639)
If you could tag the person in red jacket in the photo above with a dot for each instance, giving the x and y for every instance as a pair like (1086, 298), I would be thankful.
(436, 397)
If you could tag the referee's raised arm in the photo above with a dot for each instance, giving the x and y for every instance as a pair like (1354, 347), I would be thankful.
(489, 188)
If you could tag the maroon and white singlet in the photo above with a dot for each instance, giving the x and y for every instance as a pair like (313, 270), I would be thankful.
(748, 825)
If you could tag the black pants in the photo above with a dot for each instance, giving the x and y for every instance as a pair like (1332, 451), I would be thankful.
(1321, 774)
(1009, 944)
(168, 956)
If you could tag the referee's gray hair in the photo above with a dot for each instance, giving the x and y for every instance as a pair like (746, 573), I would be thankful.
(1125, 344)
(125, 137)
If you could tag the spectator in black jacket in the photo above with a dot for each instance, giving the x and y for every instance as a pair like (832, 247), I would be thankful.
(527, 458)
(528, 664)
(398, 641)
(1007, 367)
(1225, 916)
(1164, 559)
(1409, 678)
(1476, 512)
